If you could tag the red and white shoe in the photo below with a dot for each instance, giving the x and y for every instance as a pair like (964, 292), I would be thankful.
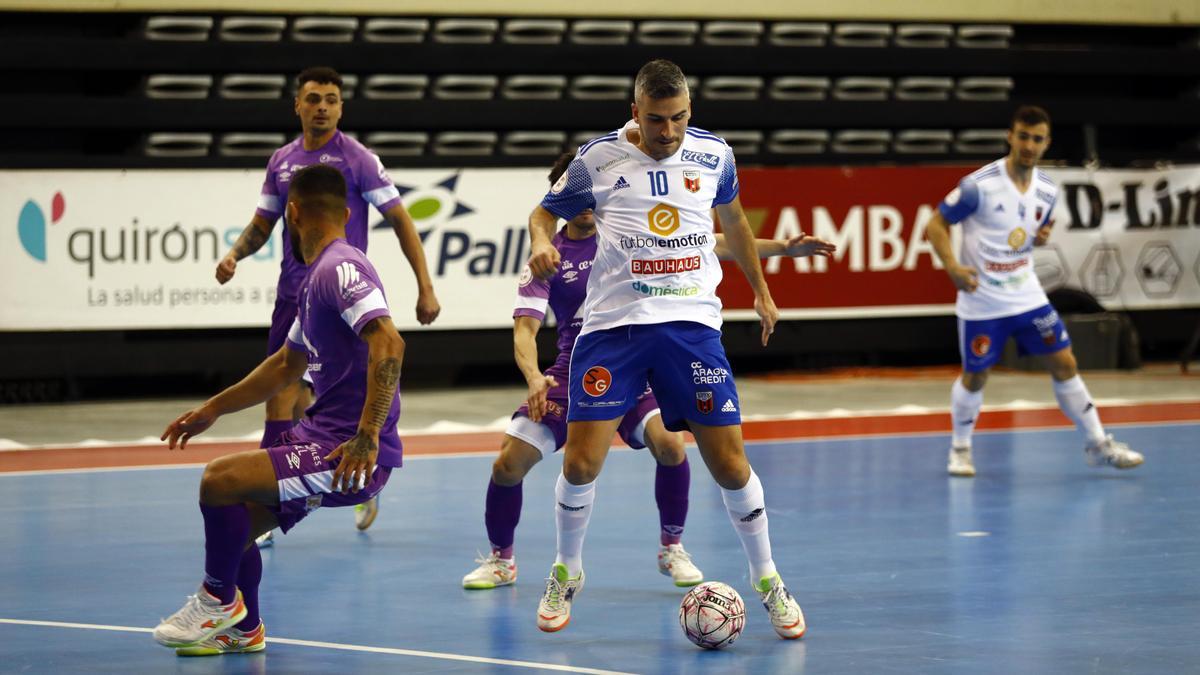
(200, 618)
(229, 641)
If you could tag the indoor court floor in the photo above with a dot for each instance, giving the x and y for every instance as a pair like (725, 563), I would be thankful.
(1040, 564)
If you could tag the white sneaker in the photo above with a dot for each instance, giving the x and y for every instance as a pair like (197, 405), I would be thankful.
(554, 611)
(266, 540)
(675, 562)
(364, 513)
(493, 571)
(229, 641)
(200, 618)
(1113, 453)
(960, 463)
(786, 617)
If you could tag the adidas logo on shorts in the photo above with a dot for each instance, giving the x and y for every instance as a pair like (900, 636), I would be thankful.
(729, 406)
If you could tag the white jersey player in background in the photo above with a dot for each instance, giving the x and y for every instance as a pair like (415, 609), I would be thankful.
(1004, 210)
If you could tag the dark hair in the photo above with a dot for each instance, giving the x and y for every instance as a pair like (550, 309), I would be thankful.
(1030, 115)
(560, 166)
(319, 188)
(320, 75)
(660, 79)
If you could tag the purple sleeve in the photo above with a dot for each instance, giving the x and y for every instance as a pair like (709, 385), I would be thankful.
(375, 184)
(268, 198)
(533, 296)
(727, 184)
(355, 289)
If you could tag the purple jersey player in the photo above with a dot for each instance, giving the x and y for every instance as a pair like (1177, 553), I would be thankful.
(319, 107)
(341, 454)
(539, 427)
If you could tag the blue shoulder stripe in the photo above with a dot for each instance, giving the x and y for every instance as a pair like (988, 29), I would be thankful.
(603, 139)
(700, 133)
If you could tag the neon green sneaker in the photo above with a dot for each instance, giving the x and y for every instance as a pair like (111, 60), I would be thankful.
(229, 641)
(364, 513)
(554, 611)
(786, 617)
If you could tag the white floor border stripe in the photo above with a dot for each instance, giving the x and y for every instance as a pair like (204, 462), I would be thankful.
(342, 647)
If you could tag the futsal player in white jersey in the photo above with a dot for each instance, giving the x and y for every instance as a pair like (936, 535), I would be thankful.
(652, 314)
(1004, 210)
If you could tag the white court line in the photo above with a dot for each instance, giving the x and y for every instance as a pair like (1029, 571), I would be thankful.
(763, 441)
(342, 647)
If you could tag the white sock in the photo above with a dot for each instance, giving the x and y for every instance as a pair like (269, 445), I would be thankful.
(748, 513)
(572, 510)
(1076, 403)
(964, 412)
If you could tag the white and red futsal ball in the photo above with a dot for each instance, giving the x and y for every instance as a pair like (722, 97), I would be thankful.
(712, 615)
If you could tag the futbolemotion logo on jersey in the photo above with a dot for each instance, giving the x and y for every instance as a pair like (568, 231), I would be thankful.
(663, 219)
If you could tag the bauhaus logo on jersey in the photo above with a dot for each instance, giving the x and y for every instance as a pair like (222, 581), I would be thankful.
(665, 265)
(97, 248)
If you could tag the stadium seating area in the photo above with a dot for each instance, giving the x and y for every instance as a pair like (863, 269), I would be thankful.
(142, 90)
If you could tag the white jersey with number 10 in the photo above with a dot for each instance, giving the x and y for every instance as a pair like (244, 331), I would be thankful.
(654, 260)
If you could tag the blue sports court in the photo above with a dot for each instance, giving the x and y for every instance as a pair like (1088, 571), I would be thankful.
(1040, 564)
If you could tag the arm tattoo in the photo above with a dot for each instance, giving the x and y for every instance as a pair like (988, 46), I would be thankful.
(359, 448)
(387, 375)
(251, 239)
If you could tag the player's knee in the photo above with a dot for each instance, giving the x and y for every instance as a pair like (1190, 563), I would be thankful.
(580, 470)
(974, 381)
(731, 472)
(669, 451)
(219, 482)
(1064, 367)
(508, 470)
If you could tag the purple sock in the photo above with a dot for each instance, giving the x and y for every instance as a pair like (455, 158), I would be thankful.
(671, 492)
(226, 529)
(501, 515)
(249, 574)
(272, 430)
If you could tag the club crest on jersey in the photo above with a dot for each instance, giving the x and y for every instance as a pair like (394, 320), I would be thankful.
(1016, 238)
(663, 219)
(704, 402)
(981, 345)
(691, 181)
(701, 158)
(596, 381)
(1037, 215)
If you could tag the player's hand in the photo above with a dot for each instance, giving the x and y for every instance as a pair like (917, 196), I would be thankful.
(768, 315)
(964, 278)
(357, 463)
(538, 389)
(190, 423)
(1043, 233)
(544, 259)
(803, 245)
(428, 307)
(226, 269)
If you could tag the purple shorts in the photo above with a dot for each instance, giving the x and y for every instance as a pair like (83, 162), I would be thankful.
(555, 418)
(281, 322)
(305, 479)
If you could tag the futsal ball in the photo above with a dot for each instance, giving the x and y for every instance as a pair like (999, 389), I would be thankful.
(712, 615)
